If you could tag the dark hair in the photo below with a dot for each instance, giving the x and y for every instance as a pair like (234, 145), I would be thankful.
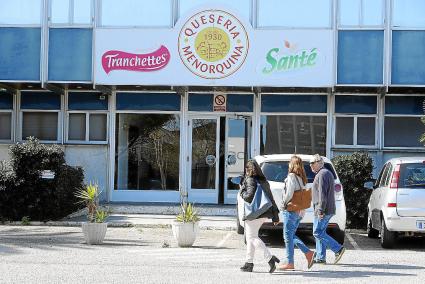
(252, 169)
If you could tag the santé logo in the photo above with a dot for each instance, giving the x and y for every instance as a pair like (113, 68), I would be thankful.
(213, 44)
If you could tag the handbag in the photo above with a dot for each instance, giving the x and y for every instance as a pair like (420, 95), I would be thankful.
(259, 204)
(300, 200)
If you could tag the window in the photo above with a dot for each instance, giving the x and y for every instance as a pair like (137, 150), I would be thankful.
(242, 7)
(148, 101)
(294, 103)
(360, 57)
(402, 121)
(87, 117)
(6, 110)
(287, 134)
(40, 115)
(20, 12)
(361, 13)
(71, 12)
(132, 13)
(294, 13)
(408, 50)
(408, 13)
(355, 120)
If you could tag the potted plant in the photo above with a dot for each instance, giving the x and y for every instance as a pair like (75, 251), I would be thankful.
(95, 229)
(185, 227)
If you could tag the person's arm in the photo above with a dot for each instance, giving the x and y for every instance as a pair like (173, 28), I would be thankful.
(323, 185)
(291, 185)
(250, 188)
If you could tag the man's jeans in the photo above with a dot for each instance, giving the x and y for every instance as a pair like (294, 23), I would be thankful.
(323, 240)
(291, 220)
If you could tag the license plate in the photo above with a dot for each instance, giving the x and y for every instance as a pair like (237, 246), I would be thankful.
(420, 225)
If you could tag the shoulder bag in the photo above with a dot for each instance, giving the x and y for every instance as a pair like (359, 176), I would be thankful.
(259, 204)
(300, 200)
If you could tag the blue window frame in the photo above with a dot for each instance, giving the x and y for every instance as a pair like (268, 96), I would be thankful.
(20, 54)
(6, 101)
(408, 55)
(294, 103)
(87, 101)
(408, 105)
(360, 57)
(70, 54)
(148, 101)
(356, 104)
(40, 100)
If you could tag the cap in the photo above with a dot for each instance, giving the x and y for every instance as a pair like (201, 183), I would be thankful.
(316, 158)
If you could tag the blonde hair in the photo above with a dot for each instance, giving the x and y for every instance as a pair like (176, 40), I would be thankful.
(296, 166)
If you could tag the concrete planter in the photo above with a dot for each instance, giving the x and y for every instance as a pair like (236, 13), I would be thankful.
(94, 233)
(185, 233)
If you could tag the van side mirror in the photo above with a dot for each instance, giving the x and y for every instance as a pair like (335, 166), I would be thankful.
(370, 185)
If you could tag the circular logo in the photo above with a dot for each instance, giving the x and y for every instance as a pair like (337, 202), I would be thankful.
(213, 44)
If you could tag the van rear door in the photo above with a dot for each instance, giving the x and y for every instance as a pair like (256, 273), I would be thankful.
(411, 190)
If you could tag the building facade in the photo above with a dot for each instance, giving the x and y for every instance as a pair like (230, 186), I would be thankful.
(155, 99)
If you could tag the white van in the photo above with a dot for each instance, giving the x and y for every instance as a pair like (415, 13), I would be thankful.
(397, 204)
(275, 168)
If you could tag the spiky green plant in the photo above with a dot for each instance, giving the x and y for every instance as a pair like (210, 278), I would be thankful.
(101, 216)
(90, 197)
(187, 213)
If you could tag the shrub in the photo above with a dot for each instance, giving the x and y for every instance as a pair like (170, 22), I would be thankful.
(354, 170)
(24, 193)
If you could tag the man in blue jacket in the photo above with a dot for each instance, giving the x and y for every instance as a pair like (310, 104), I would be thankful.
(324, 208)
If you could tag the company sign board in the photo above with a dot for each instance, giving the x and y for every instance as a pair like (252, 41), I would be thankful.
(214, 47)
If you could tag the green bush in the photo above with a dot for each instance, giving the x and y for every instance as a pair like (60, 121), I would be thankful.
(354, 170)
(24, 193)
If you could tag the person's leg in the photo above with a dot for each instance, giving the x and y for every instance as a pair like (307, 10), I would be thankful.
(288, 234)
(256, 241)
(320, 247)
(250, 233)
(297, 241)
(327, 240)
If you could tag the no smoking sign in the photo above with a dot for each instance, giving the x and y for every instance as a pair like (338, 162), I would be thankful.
(220, 102)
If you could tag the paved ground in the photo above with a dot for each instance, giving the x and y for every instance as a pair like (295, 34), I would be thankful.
(43, 254)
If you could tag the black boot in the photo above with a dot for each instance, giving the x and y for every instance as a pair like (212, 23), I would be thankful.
(272, 263)
(247, 267)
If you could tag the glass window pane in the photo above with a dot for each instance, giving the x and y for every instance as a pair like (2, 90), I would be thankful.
(59, 11)
(147, 152)
(360, 57)
(373, 12)
(6, 101)
(408, 13)
(5, 125)
(287, 134)
(349, 12)
(344, 129)
(242, 7)
(87, 101)
(82, 11)
(40, 100)
(365, 131)
(404, 105)
(77, 126)
(148, 101)
(42, 125)
(408, 51)
(136, 13)
(201, 102)
(20, 12)
(403, 131)
(356, 104)
(97, 128)
(298, 13)
(240, 103)
(294, 103)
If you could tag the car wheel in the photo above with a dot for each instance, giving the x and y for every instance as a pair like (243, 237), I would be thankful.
(239, 229)
(371, 232)
(338, 235)
(388, 238)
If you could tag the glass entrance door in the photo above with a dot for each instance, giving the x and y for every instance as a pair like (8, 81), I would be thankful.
(203, 159)
(238, 145)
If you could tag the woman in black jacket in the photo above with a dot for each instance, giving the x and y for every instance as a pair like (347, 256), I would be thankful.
(253, 174)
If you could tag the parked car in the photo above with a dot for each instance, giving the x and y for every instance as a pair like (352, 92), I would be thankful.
(397, 204)
(275, 168)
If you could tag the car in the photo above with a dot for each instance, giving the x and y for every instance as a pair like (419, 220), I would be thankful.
(397, 204)
(275, 168)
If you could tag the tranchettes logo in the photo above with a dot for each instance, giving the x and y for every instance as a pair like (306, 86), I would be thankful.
(213, 44)
(289, 58)
(120, 60)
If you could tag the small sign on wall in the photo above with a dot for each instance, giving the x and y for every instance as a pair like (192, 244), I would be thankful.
(220, 102)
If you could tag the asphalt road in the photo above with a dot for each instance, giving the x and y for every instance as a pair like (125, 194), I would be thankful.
(150, 255)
